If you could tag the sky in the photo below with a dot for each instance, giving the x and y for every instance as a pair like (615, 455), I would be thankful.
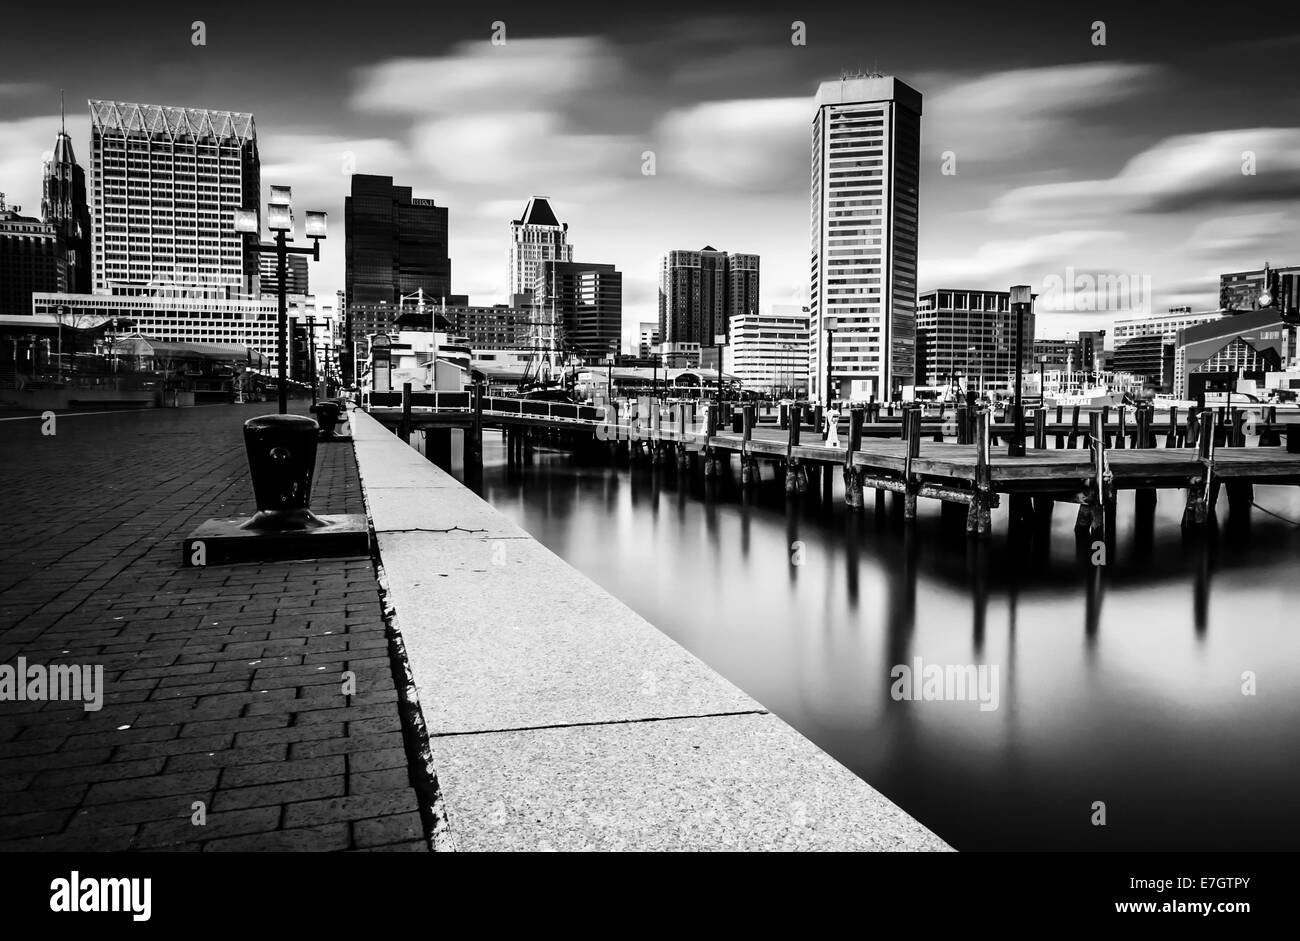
(1157, 159)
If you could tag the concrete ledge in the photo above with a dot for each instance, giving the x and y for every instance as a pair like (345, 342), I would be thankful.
(560, 719)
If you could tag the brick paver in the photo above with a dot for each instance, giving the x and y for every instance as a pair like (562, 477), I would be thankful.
(222, 685)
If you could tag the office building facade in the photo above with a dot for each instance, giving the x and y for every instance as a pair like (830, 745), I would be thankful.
(1254, 342)
(865, 181)
(971, 336)
(296, 279)
(586, 301)
(32, 259)
(769, 351)
(394, 243)
(536, 237)
(647, 342)
(165, 185)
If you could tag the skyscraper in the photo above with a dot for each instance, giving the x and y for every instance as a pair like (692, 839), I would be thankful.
(865, 173)
(165, 185)
(64, 206)
(394, 243)
(536, 237)
(588, 305)
(700, 291)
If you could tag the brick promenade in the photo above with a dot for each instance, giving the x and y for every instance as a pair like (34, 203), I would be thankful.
(222, 685)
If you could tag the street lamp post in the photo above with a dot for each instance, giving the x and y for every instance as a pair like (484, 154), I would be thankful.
(1021, 301)
(720, 340)
(831, 323)
(279, 218)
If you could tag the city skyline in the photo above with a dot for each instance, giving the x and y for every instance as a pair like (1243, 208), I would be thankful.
(1060, 167)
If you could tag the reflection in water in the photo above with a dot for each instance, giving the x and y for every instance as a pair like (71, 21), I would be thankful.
(1119, 683)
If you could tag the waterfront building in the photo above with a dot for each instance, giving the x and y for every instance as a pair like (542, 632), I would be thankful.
(700, 291)
(769, 352)
(166, 182)
(394, 243)
(536, 237)
(1146, 346)
(970, 335)
(1249, 344)
(179, 316)
(865, 179)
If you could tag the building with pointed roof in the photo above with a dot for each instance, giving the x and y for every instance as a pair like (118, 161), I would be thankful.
(536, 237)
(64, 205)
(165, 184)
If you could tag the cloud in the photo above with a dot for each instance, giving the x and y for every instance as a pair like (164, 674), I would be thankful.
(1003, 115)
(995, 264)
(533, 150)
(521, 75)
(1250, 236)
(754, 145)
(1180, 173)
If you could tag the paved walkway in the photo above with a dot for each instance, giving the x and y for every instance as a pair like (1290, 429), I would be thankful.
(223, 685)
(559, 719)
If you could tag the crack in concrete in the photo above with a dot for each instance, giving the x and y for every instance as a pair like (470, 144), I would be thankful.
(580, 725)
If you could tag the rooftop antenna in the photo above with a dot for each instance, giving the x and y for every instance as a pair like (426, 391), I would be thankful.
(63, 123)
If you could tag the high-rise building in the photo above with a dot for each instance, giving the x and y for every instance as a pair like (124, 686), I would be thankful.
(969, 336)
(536, 237)
(296, 278)
(865, 175)
(587, 301)
(700, 291)
(64, 205)
(31, 260)
(769, 352)
(394, 243)
(165, 185)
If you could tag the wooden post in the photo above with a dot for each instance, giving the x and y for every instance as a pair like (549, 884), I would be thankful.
(979, 513)
(1098, 506)
(1040, 428)
(1171, 437)
(1073, 441)
(474, 444)
(852, 477)
(1270, 436)
(1201, 488)
(963, 425)
(1105, 424)
(1122, 432)
(404, 429)
(1060, 437)
(1238, 438)
(912, 423)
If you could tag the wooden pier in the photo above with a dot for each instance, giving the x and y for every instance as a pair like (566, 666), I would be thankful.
(959, 459)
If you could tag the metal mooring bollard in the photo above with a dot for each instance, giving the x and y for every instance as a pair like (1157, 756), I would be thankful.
(327, 414)
(281, 459)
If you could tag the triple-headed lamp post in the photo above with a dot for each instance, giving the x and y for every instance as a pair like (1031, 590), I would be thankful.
(279, 219)
(1022, 300)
